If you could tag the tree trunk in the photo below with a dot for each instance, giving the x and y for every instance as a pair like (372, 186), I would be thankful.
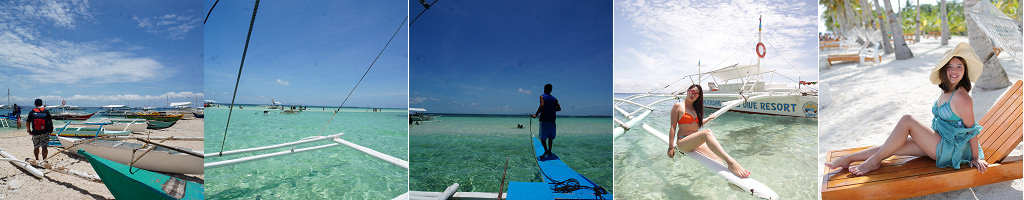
(899, 45)
(945, 22)
(917, 30)
(882, 25)
(992, 76)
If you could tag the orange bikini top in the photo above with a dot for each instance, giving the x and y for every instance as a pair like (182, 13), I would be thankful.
(687, 119)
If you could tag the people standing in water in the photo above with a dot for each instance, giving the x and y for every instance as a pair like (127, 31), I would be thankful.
(951, 140)
(546, 111)
(39, 125)
(688, 118)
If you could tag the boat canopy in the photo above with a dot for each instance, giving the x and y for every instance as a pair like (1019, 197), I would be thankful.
(177, 104)
(113, 106)
(417, 110)
(736, 71)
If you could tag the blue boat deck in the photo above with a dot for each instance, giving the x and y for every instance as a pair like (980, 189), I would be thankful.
(554, 171)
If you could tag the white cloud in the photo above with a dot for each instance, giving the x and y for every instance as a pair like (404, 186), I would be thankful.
(284, 83)
(122, 97)
(419, 100)
(662, 41)
(521, 90)
(37, 59)
(173, 25)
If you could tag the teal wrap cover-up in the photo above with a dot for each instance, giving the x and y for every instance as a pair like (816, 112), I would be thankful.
(954, 149)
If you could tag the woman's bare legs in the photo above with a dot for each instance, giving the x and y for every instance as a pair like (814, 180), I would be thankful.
(692, 141)
(925, 140)
(909, 148)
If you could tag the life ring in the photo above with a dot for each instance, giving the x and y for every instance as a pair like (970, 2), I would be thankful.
(760, 50)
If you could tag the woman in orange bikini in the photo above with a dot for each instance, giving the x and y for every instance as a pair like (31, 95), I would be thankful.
(686, 116)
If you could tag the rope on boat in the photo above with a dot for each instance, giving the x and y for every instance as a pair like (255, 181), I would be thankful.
(360, 78)
(426, 7)
(239, 78)
(211, 11)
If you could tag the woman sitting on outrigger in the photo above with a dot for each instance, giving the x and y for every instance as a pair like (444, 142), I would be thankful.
(950, 140)
(686, 115)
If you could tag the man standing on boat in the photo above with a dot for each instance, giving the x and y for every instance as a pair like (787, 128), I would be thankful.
(39, 125)
(546, 110)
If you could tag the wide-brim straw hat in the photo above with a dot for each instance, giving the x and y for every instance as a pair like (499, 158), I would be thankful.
(965, 51)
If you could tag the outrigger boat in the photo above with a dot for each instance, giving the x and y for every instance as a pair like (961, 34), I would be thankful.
(158, 159)
(71, 116)
(126, 182)
(81, 131)
(750, 93)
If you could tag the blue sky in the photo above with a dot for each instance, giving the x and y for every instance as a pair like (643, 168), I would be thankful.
(308, 52)
(658, 42)
(494, 57)
(95, 53)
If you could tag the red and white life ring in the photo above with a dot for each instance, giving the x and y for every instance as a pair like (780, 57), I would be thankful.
(760, 50)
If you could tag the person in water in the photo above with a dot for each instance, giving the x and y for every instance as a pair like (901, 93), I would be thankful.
(688, 118)
(39, 125)
(951, 139)
(546, 111)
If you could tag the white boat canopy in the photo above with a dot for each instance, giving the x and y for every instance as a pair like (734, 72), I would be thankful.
(736, 71)
(177, 104)
(417, 110)
(113, 106)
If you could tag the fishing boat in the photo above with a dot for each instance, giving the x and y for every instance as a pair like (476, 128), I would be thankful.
(81, 131)
(71, 116)
(115, 110)
(156, 116)
(131, 125)
(199, 113)
(560, 181)
(157, 124)
(126, 182)
(159, 159)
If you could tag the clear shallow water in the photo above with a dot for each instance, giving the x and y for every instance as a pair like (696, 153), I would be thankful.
(471, 151)
(780, 151)
(338, 172)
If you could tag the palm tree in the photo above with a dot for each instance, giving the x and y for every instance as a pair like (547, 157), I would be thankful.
(945, 22)
(992, 76)
(900, 46)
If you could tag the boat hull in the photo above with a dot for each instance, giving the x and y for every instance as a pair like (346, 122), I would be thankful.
(782, 105)
(140, 184)
(71, 116)
(156, 124)
(159, 159)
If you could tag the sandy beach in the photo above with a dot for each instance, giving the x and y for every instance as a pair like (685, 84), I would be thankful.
(861, 105)
(17, 184)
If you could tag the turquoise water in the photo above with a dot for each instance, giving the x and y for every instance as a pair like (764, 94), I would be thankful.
(338, 172)
(779, 151)
(471, 151)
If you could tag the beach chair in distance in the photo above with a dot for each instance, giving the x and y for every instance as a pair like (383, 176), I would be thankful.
(865, 54)
(909, 176)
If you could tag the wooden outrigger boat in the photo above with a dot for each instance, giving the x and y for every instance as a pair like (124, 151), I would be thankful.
(125, 182)
(157, 116)
(71, 116)
(157, 159)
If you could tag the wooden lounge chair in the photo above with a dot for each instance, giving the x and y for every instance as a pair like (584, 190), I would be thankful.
(864, 55)
(910, 176)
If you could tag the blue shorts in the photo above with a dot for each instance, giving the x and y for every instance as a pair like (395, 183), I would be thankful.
(547, 130)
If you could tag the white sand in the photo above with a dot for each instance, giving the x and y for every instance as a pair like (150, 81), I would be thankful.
(16, 184)
(867, 101)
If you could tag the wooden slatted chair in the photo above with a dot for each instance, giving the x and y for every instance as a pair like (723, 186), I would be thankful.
(910, 176)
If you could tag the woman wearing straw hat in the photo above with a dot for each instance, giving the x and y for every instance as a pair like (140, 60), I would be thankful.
(950, 141)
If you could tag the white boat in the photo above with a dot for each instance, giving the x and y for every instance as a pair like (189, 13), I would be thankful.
(159, 159)
(747, 83)
(115, 110)
(416, 115)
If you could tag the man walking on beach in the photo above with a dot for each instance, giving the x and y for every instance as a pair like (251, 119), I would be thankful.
(546, 110)
(39, 124)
